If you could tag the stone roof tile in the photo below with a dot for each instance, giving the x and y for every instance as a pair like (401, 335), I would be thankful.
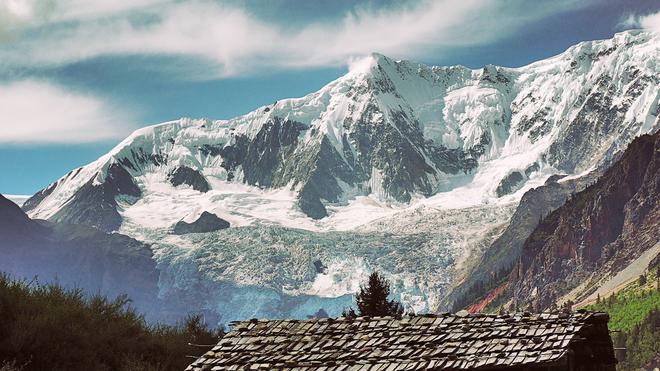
(446, 341)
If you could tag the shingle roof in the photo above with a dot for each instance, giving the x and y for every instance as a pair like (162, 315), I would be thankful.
(445, 341)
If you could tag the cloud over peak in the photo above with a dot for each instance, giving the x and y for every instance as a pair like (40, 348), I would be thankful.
(649, 22)
(237, 42)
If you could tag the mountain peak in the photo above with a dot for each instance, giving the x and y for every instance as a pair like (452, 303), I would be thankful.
(368, 63)
(372, 145)
(380, 58)
(397, 130)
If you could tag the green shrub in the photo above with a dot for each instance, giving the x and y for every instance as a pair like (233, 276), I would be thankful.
(635, 322)
(627, 309)
(46, 327)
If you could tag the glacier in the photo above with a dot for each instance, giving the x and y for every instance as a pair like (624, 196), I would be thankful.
(396, 166)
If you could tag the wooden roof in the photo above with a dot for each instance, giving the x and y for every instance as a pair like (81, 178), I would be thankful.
(442, 342)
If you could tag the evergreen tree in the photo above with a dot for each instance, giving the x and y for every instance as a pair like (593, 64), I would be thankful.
(372, 299)
(349, 313)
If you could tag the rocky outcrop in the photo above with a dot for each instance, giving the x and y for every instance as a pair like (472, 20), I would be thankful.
(185, 175)
(96, 204)
(597, 232)
(206, 222)
(319, 173)
(598, 118)
(515, 180)
(406, 162)
(499, 260)
(263, 157)
(509, 184)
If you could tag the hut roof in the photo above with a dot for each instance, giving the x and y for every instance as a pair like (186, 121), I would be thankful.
(446, 341)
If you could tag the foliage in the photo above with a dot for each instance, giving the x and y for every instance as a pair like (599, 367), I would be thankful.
(627, 310)
(635, 322)
(642, 342)
(349, 313)
(372, 299)
(45, 327)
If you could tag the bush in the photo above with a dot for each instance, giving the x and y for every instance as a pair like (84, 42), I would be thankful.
(45, 327)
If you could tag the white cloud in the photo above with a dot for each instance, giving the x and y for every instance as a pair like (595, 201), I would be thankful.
(649, 21)
(39, 112)
(236, 42)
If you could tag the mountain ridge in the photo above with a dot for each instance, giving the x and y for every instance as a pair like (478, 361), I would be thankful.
(412, 170)
(371, 133)
(77, 256)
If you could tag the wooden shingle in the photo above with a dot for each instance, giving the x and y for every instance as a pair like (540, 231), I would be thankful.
(441, 342)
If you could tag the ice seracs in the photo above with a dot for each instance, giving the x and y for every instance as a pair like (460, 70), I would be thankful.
(381, 141)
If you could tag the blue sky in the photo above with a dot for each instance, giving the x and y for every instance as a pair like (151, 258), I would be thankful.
(76, 76)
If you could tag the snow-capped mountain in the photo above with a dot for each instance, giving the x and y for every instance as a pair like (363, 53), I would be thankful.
(389, 140)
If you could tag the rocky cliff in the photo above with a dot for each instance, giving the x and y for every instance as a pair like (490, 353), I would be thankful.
(596, 233)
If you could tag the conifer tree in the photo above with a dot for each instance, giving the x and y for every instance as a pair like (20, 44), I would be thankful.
(372, 299)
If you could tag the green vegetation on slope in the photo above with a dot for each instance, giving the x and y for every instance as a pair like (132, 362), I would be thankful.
(628, 309)
(641, 343)
(46, 327)
(635, 320)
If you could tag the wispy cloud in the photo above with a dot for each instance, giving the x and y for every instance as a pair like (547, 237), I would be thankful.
(38, 112)
(237, 42)
(646, 21)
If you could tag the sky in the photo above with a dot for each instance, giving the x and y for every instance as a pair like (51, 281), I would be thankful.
(77, 76)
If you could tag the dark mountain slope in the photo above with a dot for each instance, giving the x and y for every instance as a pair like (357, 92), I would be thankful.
(500, 258)
(597, 232)
(77, 256)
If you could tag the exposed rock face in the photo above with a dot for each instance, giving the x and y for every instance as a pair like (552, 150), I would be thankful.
(263, 157)
(186, 175)
(515, 180)
(96, 204)
(206, 222)
(598, 231)
(394, 129)
(500, 258)
(78, 256)
(597, 118)
(510, 183)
